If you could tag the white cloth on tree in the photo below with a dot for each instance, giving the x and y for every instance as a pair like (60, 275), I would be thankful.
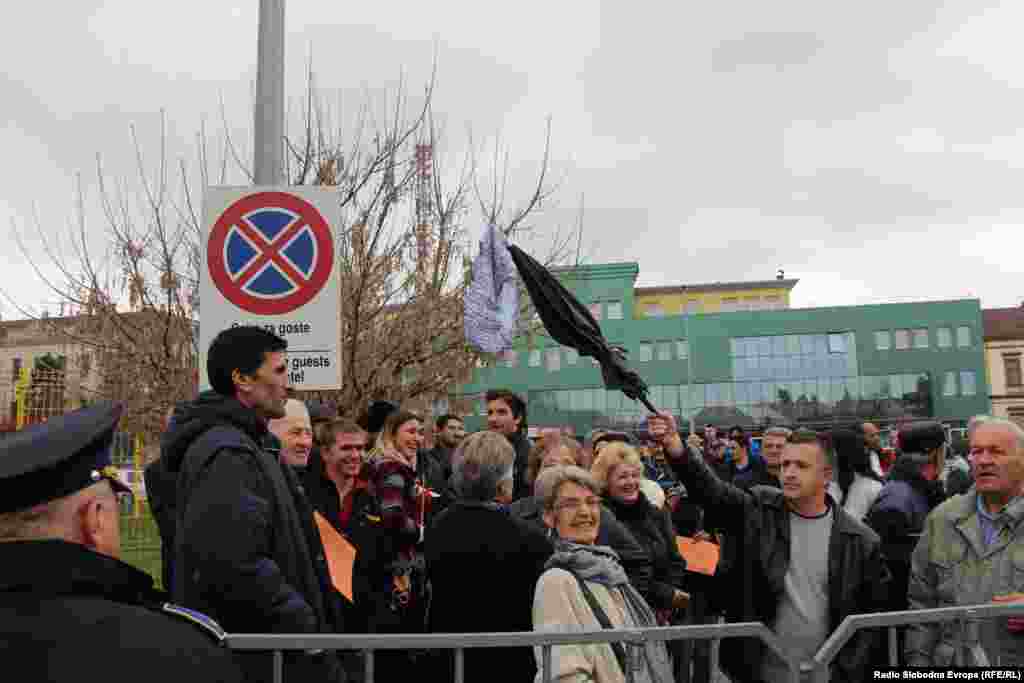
(492, 297)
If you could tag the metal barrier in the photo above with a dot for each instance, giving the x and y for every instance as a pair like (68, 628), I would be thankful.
(969, 651)
(459, 642)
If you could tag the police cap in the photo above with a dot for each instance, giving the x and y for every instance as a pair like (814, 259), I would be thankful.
(54, 459)
(921, 437)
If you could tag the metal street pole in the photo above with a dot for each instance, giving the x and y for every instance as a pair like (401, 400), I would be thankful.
(268, 144)
(689, 365)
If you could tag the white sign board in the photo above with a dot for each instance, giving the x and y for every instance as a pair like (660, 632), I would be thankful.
(270, 260)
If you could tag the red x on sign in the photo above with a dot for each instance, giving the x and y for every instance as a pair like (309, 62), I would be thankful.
(265, 280)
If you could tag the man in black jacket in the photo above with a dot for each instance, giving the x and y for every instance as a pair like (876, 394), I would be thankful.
(506, 414)
(70, 610)
(803, 564)
(246, 548)
(450, 433)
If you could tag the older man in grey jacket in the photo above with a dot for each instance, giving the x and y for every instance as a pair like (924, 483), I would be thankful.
(972, 552)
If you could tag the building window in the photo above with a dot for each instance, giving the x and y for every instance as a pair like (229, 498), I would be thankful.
(730, 304)
(645, 352)
(682, 349)
(963, 336)
(920, 338)
(691, 306)
(511, 359)
(752, 303)
(883, 340)
(1017, 415)
(652, 311)
(595, 310)
(944, 338)
(534, 361)
(772, 302)
(553, 359)
(615, 310)
(949, 384)
(1011, 362)
(968, 383)
(837, 343)
(902, 339)
(664, 350)
(571, 356)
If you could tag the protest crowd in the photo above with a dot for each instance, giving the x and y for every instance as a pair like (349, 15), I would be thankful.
(280, 517)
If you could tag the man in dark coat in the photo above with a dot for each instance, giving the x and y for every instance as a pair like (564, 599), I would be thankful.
(246, 547)
(484, 564)
(912, 491)
(803, 564)
(450, 433)
(70, 610)
(506, 414)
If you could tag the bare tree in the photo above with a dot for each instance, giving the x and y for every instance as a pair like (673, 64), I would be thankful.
(404, 251)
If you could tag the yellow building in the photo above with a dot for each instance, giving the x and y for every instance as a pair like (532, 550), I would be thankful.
(715, 297)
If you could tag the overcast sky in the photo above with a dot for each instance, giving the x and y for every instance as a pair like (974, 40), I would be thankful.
(875, 150)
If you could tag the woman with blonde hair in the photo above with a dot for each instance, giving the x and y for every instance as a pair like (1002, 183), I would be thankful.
(618, 472)
(555, 450)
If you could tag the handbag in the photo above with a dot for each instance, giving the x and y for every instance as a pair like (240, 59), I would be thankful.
(603, 620)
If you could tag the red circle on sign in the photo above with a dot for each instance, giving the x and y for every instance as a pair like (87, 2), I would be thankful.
(306, 288)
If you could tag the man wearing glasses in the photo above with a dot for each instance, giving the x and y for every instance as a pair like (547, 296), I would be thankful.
(70, 610)
(802, 563)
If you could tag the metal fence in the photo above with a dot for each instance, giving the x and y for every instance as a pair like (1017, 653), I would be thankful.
(969, 652)
(460, 642)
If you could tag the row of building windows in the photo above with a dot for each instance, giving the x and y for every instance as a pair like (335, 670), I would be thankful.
(920, 338)
(825, 393)
(769, 302)
(555, 358)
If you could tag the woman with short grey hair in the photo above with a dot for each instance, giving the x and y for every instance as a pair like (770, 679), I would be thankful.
(479, 554)
(585, 588)
(483, 468)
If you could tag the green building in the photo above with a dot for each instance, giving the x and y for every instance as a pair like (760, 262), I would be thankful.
(765, 365)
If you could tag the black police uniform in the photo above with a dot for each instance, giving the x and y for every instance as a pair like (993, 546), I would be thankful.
(69, 613)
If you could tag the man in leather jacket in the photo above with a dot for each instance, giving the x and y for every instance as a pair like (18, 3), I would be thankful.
(803, 564)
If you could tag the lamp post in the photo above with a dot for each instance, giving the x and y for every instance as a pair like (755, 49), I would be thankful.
(268, 114)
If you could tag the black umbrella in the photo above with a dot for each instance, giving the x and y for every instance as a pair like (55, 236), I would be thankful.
(571, 324)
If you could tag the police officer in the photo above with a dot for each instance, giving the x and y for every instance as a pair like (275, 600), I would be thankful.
(70, 610)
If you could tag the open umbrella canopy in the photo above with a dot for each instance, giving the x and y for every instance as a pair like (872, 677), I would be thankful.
(570, 323)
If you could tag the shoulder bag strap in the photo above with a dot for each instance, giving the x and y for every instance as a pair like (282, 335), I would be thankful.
(602, 619)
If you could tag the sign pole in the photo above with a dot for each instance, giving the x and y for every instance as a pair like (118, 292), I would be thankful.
(268, 147)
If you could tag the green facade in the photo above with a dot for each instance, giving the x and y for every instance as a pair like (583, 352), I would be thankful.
(818, 366)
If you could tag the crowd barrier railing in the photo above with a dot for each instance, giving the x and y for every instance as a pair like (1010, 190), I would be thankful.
(460, 642)
(969, 650)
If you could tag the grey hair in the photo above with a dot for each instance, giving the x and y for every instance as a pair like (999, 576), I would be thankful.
(784, 432)
(979, 420)
(52, 519)
(550, 481)
(480, 465)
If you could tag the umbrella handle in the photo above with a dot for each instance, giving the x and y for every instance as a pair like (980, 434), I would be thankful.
(647, 404)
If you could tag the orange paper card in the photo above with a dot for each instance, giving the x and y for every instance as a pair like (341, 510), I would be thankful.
(700, 556)
(341, 555)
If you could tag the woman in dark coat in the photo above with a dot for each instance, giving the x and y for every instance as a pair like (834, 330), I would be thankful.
(483, 564)
(618, 471)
